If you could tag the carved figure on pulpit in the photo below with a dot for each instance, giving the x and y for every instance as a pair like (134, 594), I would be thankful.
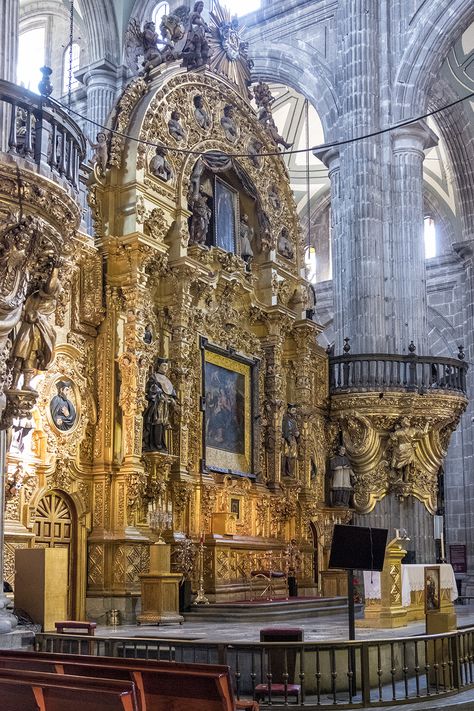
(161, 403)
(341, 479)
(403, 439)
(159, 166)
(290, 441)
(34, 344)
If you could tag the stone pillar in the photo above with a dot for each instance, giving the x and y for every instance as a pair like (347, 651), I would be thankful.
(100, 80)
(360, 262)
(331, 160)
(408, 253)
(9, 10)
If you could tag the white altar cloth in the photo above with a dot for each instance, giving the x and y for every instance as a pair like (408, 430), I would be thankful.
(413, 578)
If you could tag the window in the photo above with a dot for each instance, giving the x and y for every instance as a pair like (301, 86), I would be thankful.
(430, 237)
(161, 9)
(71, 60)
(30, 58)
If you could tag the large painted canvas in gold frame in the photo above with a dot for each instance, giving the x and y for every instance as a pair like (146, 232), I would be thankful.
(228, 404)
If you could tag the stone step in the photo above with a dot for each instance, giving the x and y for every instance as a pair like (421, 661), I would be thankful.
(267, 610)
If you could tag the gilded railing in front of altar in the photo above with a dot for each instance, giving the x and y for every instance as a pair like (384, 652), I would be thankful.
(358, 674)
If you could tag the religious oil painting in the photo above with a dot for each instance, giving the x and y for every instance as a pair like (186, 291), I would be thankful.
(225, 218)
(432, 589)
(62, 406)
(227, 405)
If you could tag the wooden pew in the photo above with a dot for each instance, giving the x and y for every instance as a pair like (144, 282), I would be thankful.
(26, 690)
(160, 684)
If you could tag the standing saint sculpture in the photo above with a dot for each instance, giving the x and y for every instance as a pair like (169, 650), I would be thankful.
(290, 436)
(200, 220)
(34, 344)
(161, 403)
(341, 479)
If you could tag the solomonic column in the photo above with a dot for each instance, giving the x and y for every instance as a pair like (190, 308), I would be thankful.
(408, 254)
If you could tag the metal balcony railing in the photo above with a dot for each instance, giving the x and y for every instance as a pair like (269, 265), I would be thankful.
(383, 372)
(360, 674)
(42, 133)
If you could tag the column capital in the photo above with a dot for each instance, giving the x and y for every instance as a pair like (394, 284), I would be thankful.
(100, 70)
(416, 136)
(330, 157)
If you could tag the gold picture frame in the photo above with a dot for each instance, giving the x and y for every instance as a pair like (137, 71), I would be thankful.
(228, 405)
(432, 589)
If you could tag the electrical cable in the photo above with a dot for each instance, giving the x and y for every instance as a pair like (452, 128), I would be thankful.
(320, 147)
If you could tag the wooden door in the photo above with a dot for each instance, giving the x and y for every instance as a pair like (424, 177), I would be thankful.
(55, 528)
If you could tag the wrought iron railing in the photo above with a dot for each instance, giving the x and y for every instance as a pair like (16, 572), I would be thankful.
(41, 132)
(357, 674)
(365, 372)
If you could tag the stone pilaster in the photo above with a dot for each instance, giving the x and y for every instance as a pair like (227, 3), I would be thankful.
(9, 10)
(408, 254)
(100, 80)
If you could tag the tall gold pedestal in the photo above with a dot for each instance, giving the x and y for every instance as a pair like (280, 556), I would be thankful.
(160, 589)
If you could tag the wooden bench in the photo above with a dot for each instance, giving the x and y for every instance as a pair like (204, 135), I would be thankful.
(86, 628)
(22, 690)
(160, 684)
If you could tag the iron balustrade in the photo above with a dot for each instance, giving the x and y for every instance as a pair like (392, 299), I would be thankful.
(384, 372)
(41, 132)
(356, 674)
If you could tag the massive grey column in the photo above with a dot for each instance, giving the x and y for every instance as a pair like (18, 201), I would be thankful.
(362, 265)
(408, 252)
(9, 10)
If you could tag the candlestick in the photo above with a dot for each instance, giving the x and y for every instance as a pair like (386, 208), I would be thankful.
(201, 599)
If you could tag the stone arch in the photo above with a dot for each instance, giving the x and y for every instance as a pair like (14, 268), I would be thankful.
(434, 31)
(305, 72)
(441, 337)
(104, 40)
(455, 128)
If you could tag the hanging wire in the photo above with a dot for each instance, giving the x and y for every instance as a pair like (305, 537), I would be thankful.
(276, 152)
(71, 37)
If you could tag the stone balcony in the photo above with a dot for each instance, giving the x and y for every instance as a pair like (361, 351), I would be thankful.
(396, 414)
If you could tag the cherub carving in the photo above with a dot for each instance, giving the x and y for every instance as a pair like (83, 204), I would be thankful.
(101, 152)
(144, 43)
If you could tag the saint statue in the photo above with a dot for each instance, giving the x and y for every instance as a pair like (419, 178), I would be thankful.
(196, 50)
(246, 235)
(161, 403)
(159, 166)
(341, 479)
(34, 344)
(290, 436)
(228, 123)
(174, 127)
(200, 220)
(284, 246)
(63, 412)
(200, 114)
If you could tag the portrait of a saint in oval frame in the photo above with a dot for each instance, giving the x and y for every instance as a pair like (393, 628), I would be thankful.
(63, 408)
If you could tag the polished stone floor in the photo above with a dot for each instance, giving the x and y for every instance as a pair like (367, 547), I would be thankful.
(325, 628)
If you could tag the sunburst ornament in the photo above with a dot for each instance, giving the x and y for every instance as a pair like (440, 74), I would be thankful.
(229, 54)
